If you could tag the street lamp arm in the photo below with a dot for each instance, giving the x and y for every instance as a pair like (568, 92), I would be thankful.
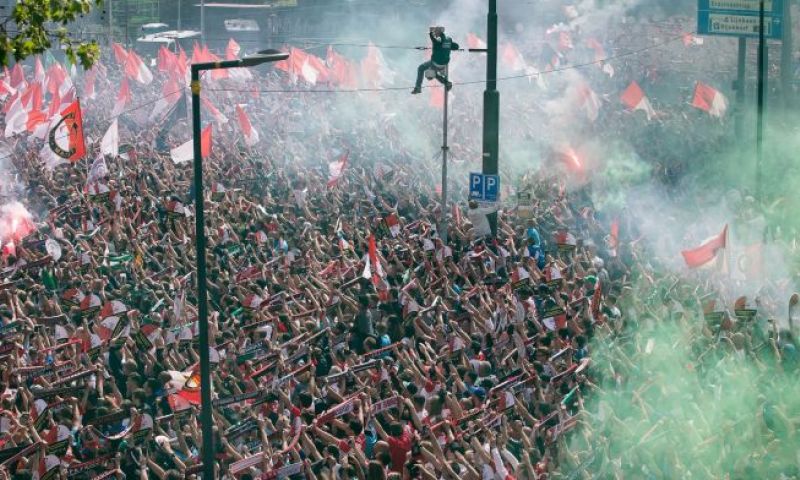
(267, 56)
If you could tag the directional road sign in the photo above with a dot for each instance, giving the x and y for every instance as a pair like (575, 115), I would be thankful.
(739, 18)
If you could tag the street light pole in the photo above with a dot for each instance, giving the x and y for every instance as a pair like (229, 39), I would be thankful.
(491, 106)
(760, 121)
(206, 417)
(202, 294)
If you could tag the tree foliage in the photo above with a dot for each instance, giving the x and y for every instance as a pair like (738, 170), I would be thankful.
(35, 25)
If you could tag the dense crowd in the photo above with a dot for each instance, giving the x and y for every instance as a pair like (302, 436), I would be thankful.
(346, 339)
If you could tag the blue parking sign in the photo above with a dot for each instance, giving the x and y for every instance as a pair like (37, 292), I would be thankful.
(485, 188)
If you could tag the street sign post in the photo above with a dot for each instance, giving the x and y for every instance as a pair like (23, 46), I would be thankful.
(739, 18)
(484, 188)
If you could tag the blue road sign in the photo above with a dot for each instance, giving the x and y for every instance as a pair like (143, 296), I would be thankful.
(485, 188)
(739, 18)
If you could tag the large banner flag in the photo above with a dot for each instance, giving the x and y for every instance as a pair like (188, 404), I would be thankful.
(709, 100)
(66, 138)
(707, 251)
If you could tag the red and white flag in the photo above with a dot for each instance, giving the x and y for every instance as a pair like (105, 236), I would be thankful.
(249, 133)
(135, 69)
(110, 143)
(185, 152)
(218, 116)
(690, 39)
(170, 95)
(393, 223)
(120, 54)
(707, 251)
(6, 89)
(513, 59)
(336, 169)
(341, 71)
(372, 267)
(634, 98)
(232, 53)
(17, 77)
(123, 98)
(709, 100)
(375, 70)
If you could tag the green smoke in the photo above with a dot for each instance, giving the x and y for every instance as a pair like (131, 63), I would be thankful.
(675, 401)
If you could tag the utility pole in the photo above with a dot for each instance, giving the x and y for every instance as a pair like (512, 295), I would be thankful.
(740, 81)
(203, 21)
(491, 106)
(445, 149)
(110, 23)
(786, 56)
(762, 60)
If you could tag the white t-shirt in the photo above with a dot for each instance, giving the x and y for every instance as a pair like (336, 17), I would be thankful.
(479, 220)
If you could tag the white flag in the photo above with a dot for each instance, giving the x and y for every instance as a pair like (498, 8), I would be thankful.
(98, 170)
(183, 153)
(110, 143)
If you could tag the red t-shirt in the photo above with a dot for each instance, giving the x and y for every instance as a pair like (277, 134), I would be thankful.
(398, 450)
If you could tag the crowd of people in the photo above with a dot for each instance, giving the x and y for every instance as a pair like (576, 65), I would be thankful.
(346, 339)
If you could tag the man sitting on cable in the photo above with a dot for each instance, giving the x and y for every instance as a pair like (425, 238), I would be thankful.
(442, 46)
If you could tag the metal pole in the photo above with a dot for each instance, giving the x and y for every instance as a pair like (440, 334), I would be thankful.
(786, 56)
(491, 106)
(445, 149)
(740, 88)
(760, 120)
(203, 21)
(110, 24)
(202, 301)
(179, 15)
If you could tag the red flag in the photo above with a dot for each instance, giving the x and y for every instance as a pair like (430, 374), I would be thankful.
(512, 58)
(707, 251)
(72, 118)
(373, 260)
(613, 239)
(137, 70)
(120, 54)
(205, 142)
(709, 100)
(474, 41)
(17, 76)
(232, 50)
(342, 72)
(167, 61)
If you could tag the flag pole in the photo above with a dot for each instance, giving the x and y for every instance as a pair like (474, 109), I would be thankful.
(445, 149)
